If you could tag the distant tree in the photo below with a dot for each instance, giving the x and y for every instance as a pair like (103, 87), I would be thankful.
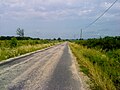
(54, 38)
(59, 39)
(20, 32)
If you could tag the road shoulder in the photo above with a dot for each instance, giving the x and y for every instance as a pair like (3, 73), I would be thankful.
(84, 79)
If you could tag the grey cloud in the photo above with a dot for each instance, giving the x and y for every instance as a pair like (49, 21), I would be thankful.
(72, 13)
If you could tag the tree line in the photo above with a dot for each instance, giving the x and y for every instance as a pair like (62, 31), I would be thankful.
(107, 43)
(21, 36)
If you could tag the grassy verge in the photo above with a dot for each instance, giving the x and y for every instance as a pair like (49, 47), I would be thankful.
(98, 66)
(7, 52)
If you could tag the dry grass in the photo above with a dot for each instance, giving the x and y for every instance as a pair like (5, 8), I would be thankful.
(93, 70)
(6, 53)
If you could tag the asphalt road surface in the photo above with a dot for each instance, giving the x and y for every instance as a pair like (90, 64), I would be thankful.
(51, 69)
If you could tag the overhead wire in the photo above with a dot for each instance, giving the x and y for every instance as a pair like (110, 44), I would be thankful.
(101, 15)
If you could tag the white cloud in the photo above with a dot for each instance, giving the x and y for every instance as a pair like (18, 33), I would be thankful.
(49, 9)
(108, 4)
(84, 12)
(12, 3)
(48, 14)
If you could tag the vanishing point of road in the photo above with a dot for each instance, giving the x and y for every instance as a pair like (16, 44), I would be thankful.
(50, 69)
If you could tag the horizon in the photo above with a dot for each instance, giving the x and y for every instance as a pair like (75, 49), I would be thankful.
(37, 38)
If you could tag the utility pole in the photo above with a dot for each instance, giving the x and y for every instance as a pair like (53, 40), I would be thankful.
(74, 36)
(0, 23)
(81, 34)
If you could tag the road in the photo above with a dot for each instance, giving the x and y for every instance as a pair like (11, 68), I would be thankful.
(51, 69)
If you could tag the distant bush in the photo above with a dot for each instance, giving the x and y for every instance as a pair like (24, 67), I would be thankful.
(18, 38)
(13, 42)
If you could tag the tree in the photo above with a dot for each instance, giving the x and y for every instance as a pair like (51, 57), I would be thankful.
(59, 39)
(20, 32)
(54, 38)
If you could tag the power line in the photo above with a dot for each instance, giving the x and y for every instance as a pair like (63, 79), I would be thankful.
(101, 15)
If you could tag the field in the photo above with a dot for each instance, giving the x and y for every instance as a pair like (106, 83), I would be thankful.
(14, 47)
(100, 61)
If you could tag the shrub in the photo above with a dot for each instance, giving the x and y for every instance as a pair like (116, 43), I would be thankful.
(104, 71)
(13, 42)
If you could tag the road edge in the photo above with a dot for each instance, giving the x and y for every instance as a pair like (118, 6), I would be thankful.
(82, 77)
(24, 55)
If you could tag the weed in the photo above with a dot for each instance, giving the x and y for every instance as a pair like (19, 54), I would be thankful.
(14, 47)
(97, 66)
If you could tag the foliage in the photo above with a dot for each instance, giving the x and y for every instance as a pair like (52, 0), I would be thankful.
(59, 38)
(106, 43)
(14, 47)
(110, 46)
(13, 42)
(20, 32)
(103, 69)
(18, 38)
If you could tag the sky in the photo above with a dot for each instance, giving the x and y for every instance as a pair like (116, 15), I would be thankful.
(59, 18)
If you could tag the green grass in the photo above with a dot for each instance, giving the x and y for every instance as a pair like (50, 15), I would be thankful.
(12, 48)
(103, 70)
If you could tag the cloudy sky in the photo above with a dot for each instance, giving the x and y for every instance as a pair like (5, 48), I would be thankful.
(59, 18)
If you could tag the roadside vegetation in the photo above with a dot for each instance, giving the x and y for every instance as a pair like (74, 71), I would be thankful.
(11, 47)
(100, 60)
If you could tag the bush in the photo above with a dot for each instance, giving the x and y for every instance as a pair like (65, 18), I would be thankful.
(106, 64)
(106, 43)
(13, 42)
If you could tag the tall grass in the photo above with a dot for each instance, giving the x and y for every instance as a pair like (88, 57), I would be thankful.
(98, 66)
(13, 48)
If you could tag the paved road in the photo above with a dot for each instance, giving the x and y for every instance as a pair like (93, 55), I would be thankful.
(51, 69)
